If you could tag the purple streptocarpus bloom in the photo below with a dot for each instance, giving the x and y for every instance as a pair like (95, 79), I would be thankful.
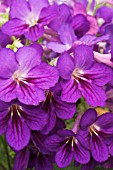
(55, 107)
(35, 154)
(66, 39)
(97, 129)
(68, 145)
(16, 120)
(82, 75)
(24, 76)
(29, 18)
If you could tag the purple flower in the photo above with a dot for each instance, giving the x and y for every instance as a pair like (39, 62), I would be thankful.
(16, 120)
(29, 18)
(24, 76)
(34, 155)
(55, 107)
(97, 129)
(67, 146)
(66, 39)
(82, 75)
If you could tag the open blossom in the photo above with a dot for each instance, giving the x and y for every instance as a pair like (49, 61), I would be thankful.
(82, 75)
(55, 107)
(68, 145)
(98, 130)
(24, 76)
(17, 120)
(29, 18)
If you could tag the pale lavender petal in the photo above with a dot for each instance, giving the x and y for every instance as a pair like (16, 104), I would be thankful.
(66, 34)
(18, 133)
(57, 47)
(88, 118)
(65, 66)
(70, 91)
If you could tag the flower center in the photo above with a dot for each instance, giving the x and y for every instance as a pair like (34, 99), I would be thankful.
(77, 74)
(15, 109)
(19, 76)
(32, 20)
(93, 129)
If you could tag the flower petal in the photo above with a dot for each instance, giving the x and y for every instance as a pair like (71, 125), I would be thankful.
(94, 95)
(30, 94)
(105, 122)
(70, 91)
(44, 76)
(7, 90)
(21, 159)
(63, 109)
(57, 47)
(54, 142)
(18, 133)
(88, 118)
(100, 74)
(51, 120)
(36, 119)
(98, 149)
(81, 155)
(48, 14)
(83, 57)
(17, 27)
(29, 57)
(37, 5)
(19, 9)
(65, 66)
(34, 33)
(64, 156)
(8, 63)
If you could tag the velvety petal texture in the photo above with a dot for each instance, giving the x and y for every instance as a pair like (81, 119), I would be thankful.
(28, 78)
(83, 76)
(27, 18)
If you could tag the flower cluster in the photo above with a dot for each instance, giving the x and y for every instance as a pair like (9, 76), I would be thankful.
(56, 65)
